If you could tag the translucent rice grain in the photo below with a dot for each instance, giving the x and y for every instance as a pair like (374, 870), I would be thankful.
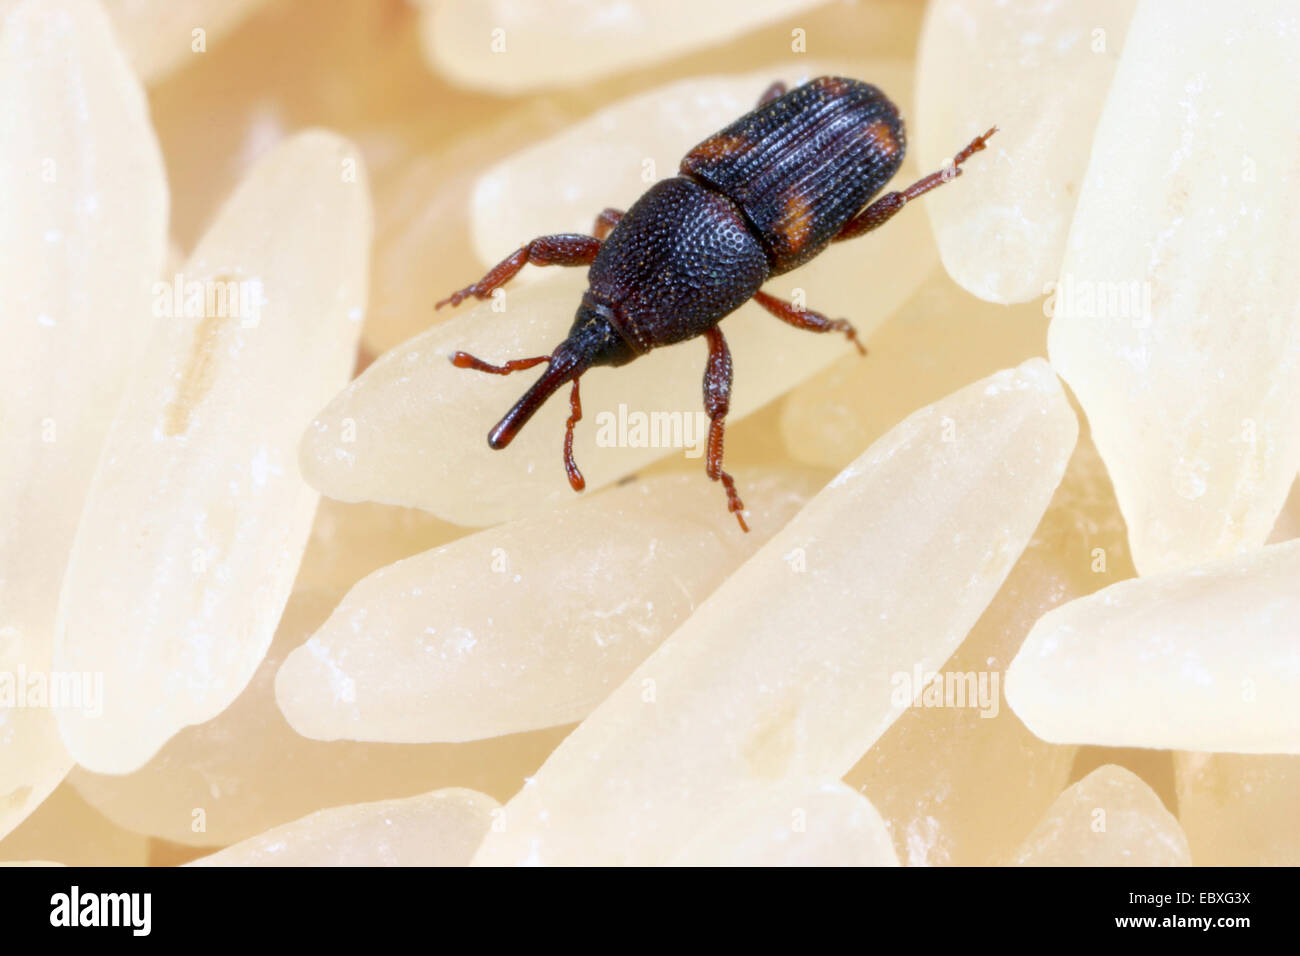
(442, 828)
(941, 338)
(161, 35)
(929, 773)
(1201, 659)
(1178, 316)
(423, 249)
(806, 823)
(1287, 525)
(203, 790)
(351, 67)
(83, 220)
(349, 541)
(4, 863)
(67, 829)
(1109, 818)
(197, 516)
(1239, 809)
(1039, 71)
(513, 48)
(785, 671)
(529, 624)
(756, 441)
(1155, 767)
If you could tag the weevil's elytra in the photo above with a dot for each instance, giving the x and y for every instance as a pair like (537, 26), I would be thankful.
(755, 200)
(810, 160)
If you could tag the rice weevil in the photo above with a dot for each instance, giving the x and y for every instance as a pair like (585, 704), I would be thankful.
(755, 200)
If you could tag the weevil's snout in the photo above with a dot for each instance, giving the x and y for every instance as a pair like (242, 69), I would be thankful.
(593, 340)
(564, 365)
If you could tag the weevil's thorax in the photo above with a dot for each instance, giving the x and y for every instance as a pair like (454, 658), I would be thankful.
(803, 165)
(680, 260)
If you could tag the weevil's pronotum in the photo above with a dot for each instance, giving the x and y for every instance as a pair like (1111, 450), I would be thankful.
(759, 198)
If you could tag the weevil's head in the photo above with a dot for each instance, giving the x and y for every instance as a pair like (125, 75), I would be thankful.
(594, 335)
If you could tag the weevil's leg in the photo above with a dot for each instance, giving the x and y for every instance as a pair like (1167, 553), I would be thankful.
(567, 249)
(807, 319)
(883, 209)
(576, 481)
(465, 360)
(717, 400)
(606, 222)
(774, 91)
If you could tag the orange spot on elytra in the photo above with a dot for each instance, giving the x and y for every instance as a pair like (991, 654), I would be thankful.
(715, 148)
(835, 85)
(795, 222)
(882, 137)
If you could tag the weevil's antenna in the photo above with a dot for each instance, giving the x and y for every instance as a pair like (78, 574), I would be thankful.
(465, 360)
(565, 366)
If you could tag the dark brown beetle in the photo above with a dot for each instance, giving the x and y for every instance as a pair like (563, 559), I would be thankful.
(757, 199)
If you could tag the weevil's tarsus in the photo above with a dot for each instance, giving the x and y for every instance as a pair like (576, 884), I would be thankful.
(566, 249)
(717, 402)
(974, 146)
(807, 319)
(884, 208)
